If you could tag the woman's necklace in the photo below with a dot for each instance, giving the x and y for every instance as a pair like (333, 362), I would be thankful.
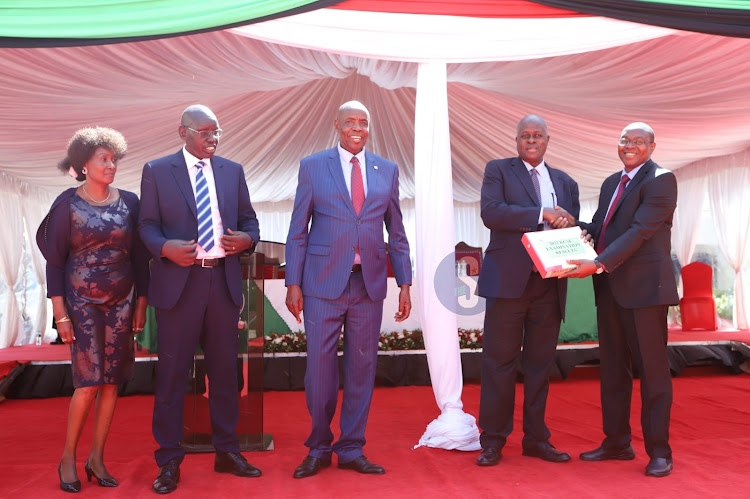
(109, 193)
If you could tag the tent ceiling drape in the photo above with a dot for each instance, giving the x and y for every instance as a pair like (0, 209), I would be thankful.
(276, 101)
(275, 85)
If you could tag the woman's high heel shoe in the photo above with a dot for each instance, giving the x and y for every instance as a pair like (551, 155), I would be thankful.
(103, 482)
(68, 486)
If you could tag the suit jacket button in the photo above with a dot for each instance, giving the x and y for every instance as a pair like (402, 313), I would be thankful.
(354, 248)
(359, 222)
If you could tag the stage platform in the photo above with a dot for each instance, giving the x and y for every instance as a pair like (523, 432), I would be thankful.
(33, 371)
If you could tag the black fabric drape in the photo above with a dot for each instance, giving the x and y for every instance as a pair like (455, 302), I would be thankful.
(715, 21)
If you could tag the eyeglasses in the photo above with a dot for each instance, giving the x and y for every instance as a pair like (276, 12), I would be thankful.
(204, 134)
(526, 137)
(636, 142)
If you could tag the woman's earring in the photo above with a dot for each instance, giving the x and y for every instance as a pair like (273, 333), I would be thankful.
(84, 170)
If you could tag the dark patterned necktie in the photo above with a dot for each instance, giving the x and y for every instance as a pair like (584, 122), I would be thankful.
(535, 180)
(600, 245)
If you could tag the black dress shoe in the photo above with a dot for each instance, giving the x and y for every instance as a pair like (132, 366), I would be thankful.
(310, 466)
(68, 486)
(659, 466)
(169, 475)
(547, 452)
(362, 465)
(236, 464)
(489, 457)
(103, 482)
(602, 453)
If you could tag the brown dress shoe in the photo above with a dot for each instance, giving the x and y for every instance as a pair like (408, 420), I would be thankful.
(602, 453)
(362, 465)
(234, 463)
(310, 466)
(547, 452)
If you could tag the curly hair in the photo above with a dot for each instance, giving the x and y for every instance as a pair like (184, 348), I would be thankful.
(85, 142)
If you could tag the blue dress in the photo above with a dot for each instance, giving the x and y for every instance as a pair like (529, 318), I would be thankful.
(91, 261)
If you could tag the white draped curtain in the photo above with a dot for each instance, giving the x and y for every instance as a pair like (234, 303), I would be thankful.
(453, 429)
(11, 250)
(687, 217)
(33, 214)
(729, 194)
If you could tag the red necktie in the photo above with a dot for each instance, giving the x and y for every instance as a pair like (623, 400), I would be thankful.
(358, 187)
(600, 242)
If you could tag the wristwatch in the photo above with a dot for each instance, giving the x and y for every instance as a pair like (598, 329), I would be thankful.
(599, 267)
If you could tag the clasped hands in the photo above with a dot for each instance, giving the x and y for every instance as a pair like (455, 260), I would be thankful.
(183, 253)
(558, 217)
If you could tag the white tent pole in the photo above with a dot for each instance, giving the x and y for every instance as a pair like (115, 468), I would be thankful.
(435, 244)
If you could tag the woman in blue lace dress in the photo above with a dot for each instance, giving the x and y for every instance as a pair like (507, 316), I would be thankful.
(97, 277)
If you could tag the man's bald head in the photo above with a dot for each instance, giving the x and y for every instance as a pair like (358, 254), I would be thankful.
(199, 128)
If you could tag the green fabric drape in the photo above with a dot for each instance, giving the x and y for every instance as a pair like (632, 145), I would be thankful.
(58, 22)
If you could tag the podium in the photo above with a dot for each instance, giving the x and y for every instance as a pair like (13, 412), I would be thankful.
(196, 418)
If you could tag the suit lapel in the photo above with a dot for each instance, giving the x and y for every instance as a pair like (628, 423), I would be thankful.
(373, 177)
(182, 178)
(217, 166)
(633, 184)
(523, 176)
(560, 192)
(334, 167)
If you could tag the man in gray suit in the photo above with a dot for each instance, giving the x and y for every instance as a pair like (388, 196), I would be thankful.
(336, 272)
(520, 194)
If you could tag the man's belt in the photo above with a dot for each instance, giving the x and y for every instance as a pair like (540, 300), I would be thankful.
(209, 262)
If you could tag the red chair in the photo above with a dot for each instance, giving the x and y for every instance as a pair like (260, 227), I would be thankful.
(697, 305)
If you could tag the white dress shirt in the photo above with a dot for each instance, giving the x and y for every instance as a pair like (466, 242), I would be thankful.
(346, 166)
(547, 190)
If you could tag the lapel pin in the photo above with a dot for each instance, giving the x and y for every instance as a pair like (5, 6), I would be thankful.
(375, 167)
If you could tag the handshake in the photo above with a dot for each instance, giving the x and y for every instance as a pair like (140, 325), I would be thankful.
(558, 217)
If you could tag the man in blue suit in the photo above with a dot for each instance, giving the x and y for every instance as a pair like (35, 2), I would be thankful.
(336, 273)
(196, 286)
(521, 194)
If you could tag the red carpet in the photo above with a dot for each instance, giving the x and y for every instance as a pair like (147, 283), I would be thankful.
(710, 435)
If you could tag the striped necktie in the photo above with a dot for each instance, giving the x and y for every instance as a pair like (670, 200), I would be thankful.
(203, 203)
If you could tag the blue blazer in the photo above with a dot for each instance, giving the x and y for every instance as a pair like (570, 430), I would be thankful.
(168, 211)
(320, 259)
(509, 207)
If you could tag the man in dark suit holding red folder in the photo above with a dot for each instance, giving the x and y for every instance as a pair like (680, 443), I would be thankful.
(634, 287)
(519, 195)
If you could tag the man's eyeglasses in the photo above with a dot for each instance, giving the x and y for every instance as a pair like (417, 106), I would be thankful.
(526, 137)
(204, 134)
(636, 142)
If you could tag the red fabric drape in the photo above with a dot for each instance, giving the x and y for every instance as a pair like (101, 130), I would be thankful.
(468, 8)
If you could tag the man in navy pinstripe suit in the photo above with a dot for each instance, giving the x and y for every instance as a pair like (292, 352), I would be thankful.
(336, 273)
